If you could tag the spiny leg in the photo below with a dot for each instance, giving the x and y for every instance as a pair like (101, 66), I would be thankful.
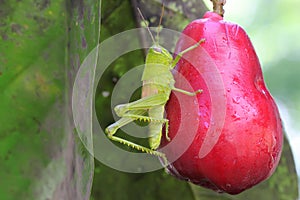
(145, 118)
(151, 119)
(112, 129)
(138, 147)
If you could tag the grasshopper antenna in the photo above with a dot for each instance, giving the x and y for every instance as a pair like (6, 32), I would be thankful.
(140, 13)
(160, 20)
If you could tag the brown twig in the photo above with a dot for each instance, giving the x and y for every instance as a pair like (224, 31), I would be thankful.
(218, 6)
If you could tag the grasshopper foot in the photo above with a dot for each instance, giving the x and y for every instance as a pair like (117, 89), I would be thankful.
(198, 91)
(111, 130)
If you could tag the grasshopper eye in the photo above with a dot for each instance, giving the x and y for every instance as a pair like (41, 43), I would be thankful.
(157, 49)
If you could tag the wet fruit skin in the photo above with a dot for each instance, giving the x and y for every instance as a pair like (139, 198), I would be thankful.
(248, 147)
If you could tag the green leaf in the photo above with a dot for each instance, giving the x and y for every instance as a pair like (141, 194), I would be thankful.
(41, 158)
(31, 84)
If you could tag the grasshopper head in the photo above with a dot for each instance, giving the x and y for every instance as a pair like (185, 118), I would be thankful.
(158, 61)
(159, 55)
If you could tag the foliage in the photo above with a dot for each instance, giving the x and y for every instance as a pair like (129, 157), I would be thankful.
(40, 158)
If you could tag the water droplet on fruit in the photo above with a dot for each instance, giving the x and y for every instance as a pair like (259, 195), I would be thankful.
(235, 80)
(259, 142)
(259, 84)
(195, 102)
(230, 138)
(228, 185)
(254, 113)
(235, 116)
(229, 55)
(271, 163)
(228, 89)
(224, 39)
(234, 161)
(236, 100)
(206, 125)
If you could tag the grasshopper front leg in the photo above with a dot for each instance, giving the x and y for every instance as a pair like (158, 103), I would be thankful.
(180, 54)
(175, 61)
(186, 92)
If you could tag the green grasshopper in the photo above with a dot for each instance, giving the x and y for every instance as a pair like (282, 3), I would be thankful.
(158, 82)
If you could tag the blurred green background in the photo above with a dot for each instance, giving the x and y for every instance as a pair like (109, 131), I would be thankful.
(43, 43)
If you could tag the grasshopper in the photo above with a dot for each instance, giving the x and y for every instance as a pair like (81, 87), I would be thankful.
(158, 82)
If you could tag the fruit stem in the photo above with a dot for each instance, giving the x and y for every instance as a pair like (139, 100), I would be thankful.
(218, 6)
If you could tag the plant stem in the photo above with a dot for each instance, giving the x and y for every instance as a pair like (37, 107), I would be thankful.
(218, 6)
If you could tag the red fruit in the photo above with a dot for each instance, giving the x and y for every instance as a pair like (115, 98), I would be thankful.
(234, 127)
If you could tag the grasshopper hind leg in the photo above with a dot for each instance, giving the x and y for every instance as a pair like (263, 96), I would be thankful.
(139, 147)
(112, 129)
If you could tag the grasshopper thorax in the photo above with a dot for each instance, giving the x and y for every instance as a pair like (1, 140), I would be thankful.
(158, 62)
